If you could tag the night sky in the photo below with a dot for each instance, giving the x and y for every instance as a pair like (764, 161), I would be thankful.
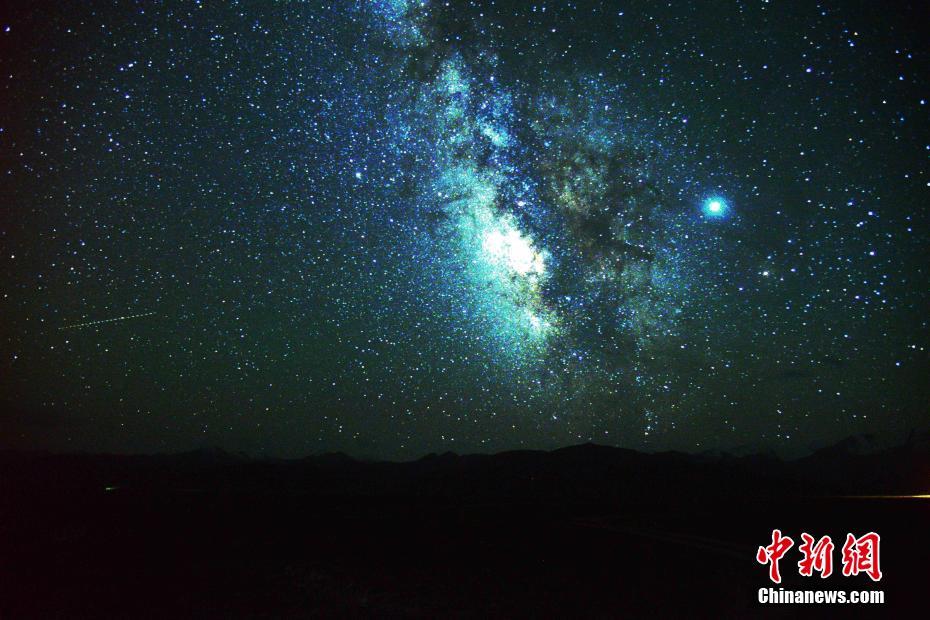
(403, 226)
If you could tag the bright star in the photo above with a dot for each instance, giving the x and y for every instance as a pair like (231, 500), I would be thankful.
(715, 207)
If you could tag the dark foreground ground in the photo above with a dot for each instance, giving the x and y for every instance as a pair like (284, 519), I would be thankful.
(580, 532)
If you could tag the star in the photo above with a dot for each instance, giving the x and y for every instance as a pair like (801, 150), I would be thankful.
(715, 207)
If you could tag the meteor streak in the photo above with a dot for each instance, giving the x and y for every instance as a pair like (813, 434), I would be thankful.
(102, 321)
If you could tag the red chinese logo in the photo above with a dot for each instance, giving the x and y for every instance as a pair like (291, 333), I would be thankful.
(773, 553)
(860, 555)
(817, 557)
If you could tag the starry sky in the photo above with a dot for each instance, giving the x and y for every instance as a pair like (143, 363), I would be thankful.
(393, 227)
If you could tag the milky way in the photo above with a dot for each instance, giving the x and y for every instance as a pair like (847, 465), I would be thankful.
(394, 227)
